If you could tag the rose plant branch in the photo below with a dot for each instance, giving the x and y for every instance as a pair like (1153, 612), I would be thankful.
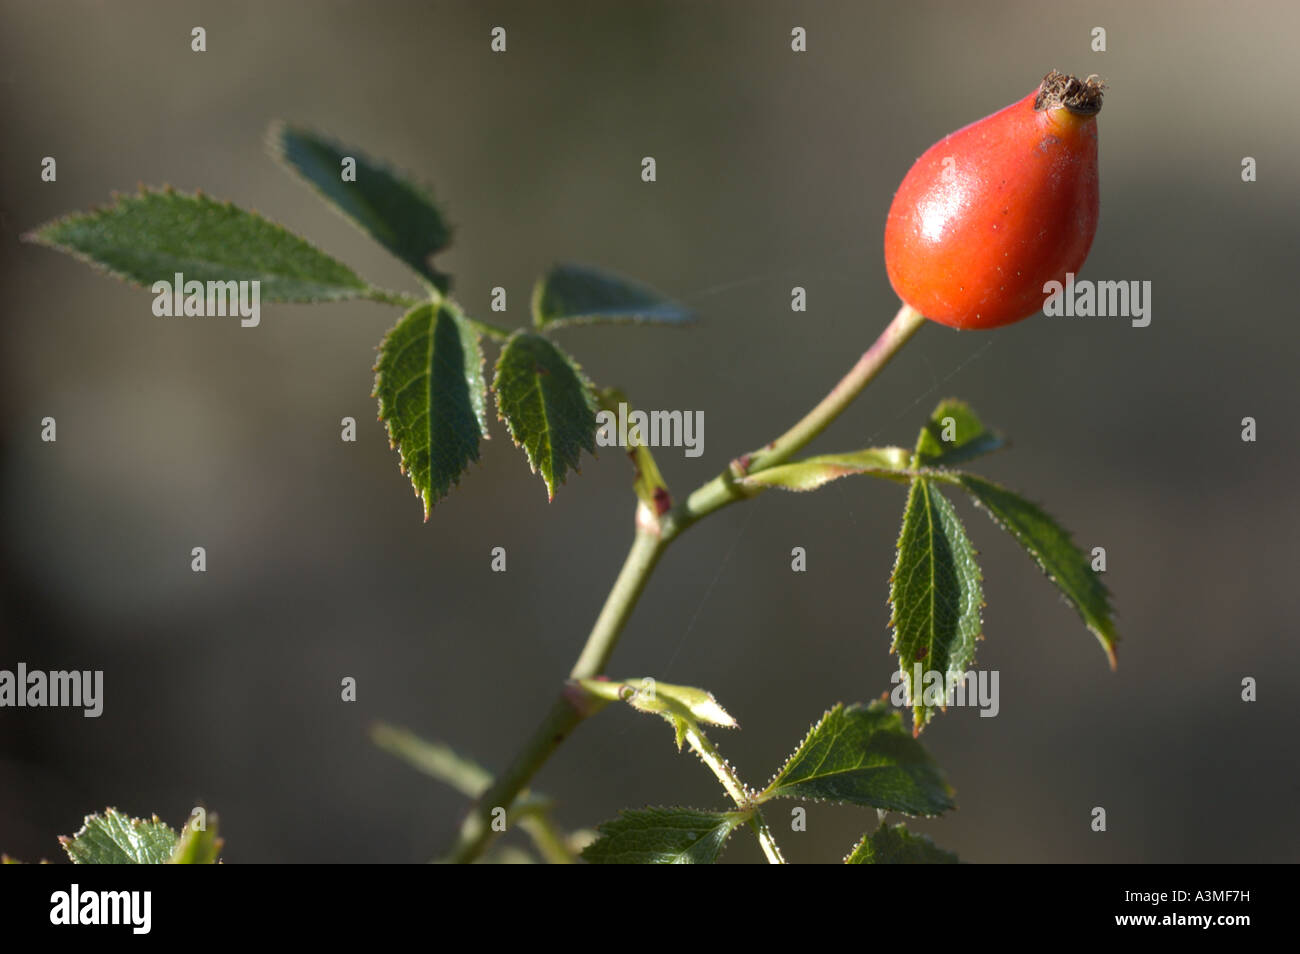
(982, 224)
(653, 534)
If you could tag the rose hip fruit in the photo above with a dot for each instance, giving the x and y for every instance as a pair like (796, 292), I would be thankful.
(992, 212)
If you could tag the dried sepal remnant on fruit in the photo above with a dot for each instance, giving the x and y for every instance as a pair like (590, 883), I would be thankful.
(1080, 96)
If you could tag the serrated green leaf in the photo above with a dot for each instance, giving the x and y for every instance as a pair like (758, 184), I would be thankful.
(398, 213)
(1053, 550)
(935, 598)
(967, 436)
(548, 405)
(429, 381)
(116, 839)
(890, 463)
(198, 846)
(862, 755)
(898, 846)
(578, 295)
(663, 836)
(152, 236)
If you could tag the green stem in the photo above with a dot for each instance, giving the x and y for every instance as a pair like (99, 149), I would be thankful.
(476, 829)
(738, 790)
(488, 330)
(896, 334)
(385, 297)
(653, 535)
(765, 839)
(647, 547)
(573, 705)
(402, 300)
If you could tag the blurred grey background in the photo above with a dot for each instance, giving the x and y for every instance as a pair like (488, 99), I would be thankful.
(775, 169)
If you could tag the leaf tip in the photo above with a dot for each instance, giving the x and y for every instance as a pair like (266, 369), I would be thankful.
(36, 236)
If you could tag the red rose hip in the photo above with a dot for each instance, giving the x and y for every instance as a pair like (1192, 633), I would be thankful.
(992, 212)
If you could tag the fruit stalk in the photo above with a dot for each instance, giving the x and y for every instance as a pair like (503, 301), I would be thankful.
(896, 334)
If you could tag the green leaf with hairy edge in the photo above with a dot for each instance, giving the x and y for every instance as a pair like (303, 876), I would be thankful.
(152, 236)
(935, 598)
(663, 836)
(198, 846)
(968, 437)
(429, 381)
(396, 212)
(890, 463)
(547, 403)
(578, 295)
(1053, 550)
(116, 839)
(898, 846)
(864, 756)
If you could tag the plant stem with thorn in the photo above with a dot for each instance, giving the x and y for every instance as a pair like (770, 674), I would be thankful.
(653, 534)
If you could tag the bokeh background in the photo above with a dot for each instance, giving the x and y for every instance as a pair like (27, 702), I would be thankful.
(775, 169)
